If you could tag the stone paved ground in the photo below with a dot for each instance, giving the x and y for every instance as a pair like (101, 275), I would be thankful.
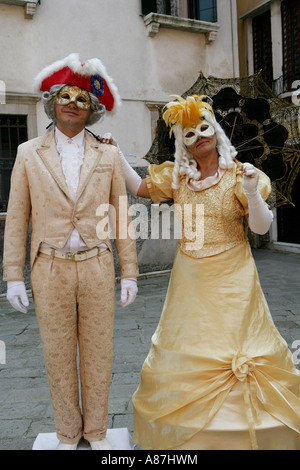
(25, 405)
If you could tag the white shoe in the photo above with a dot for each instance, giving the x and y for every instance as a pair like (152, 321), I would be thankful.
(101, 445)
(62, 446)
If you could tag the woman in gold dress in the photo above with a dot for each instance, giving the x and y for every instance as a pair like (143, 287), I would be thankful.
(218, 375)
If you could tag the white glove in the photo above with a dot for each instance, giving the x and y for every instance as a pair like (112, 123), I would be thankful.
(16, 295)
(107, 138)
(260, 216)
(128, 291)
(250, 179)
(133, 180)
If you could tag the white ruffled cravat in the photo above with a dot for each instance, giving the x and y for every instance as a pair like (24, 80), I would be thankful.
(71, 152)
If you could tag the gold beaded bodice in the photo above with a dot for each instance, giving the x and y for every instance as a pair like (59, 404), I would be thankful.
(212, 219)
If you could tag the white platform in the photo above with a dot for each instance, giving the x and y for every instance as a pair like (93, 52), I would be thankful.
(119, 438)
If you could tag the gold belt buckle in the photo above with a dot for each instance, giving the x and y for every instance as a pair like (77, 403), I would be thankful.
(71, 256)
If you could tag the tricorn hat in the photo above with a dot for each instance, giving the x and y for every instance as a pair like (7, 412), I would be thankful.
(91, 76)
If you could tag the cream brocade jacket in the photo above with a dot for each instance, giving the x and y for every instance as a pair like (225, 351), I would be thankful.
(39, 191)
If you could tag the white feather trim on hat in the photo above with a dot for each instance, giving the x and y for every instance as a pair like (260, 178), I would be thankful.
(90, 67)
(71, 61)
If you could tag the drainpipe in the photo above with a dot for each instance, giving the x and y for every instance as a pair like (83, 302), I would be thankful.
(234, 39)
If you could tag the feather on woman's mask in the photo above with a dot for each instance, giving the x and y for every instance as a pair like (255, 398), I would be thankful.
(193, 115)
(188, 113)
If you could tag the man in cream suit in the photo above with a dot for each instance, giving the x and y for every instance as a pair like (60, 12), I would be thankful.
(60, 181)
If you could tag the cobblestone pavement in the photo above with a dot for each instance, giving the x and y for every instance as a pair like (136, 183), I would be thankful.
(26, 409)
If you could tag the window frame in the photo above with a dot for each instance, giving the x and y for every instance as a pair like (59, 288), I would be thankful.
(155, 20)
(195, 5)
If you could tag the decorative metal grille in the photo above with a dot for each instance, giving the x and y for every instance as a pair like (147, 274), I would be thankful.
(13, 131)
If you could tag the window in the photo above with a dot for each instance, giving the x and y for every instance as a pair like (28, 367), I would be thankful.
(13, 131)
(148, 6)
(168, 7)
(262, 46)
(291, 41)
(165, 7)
(204, 10)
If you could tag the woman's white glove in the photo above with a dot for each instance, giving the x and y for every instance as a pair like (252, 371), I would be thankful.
(250, 179)
(133, 180)
(260, 216)
(16, 295)
(128, 291)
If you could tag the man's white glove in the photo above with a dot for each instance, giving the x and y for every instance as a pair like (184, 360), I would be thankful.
(260, 216)
(133, 180)
(128, 291)
(16, 295)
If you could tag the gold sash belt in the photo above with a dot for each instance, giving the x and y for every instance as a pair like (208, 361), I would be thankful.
(79, 256)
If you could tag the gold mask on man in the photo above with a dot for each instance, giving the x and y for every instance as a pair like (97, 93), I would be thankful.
(73, 94)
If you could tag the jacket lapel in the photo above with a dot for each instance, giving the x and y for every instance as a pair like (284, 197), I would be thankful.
(48, 153)
(92, 156)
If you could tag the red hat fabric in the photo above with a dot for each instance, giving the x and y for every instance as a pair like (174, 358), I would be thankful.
(91, 76)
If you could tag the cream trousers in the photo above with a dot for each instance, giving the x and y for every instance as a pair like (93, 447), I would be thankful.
(75, 302)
